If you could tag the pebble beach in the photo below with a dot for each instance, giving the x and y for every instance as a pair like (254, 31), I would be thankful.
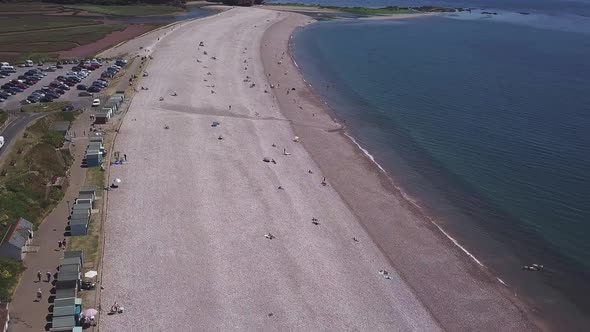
(243, 205)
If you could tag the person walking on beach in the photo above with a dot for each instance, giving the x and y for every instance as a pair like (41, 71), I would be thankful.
(59, 245)
(125, 156)
(48, 276)
(39, 295)
(64, 243)
(39, 276)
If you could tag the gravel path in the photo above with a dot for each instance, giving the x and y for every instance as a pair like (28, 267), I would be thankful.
(185, 235)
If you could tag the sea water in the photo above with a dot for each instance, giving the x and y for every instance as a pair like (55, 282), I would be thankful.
(484, 123)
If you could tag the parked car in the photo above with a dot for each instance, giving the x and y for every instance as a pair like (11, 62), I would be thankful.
(52, 94)
(96, 103)
(81, 87)
(68, 108)
(33, 99)
(93, 88)
(46, 99)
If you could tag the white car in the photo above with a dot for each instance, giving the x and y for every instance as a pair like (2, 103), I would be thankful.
(96, 103)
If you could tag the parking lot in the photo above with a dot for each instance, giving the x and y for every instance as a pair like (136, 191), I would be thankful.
(14, 102)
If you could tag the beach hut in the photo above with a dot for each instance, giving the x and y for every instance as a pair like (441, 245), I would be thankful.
(103, 116)
(67, 301)
(75, 253)
(69, 268)
(59, 324)
(88, 190)
(93, 158)
(94, 139)
(66, 311)
(78, 227)
(67, 329)
(85, 201)
(66, 292)
(16, 239)
(66, 284)
(70, 261)
(82, 206)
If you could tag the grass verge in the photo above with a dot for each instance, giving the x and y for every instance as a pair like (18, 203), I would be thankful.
(10, 271)
(131, 10)
(45, 107)
(34, 161)
(3, 117)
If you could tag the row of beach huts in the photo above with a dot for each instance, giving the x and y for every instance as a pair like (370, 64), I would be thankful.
(67, 306)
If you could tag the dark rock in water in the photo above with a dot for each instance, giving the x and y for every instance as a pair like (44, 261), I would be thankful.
(433, 9)
(524, 13)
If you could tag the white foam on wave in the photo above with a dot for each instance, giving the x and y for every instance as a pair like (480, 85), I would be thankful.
(366, 152)
(404, 195)
(455, 242)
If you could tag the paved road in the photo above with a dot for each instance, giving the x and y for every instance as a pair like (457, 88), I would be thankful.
(14, 128)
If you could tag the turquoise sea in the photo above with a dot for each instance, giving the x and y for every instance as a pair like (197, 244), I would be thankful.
(484, 121)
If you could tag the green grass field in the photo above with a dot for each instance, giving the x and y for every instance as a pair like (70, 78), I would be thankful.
(28, 7)
(55, 40)
(17, 23)
(132, 10)
(364, 11)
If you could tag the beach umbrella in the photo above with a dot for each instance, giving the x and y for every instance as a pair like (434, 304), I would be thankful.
(89, 312)
(90, 274)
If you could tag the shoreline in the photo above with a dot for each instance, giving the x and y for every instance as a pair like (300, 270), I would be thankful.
(547, 304)
(314, 99)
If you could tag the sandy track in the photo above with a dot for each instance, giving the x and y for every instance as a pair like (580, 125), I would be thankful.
(185, 246)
